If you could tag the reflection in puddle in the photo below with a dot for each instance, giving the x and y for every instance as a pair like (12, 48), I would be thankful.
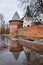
(7, 58)
(12, 58)
(4, 43)
(16, 54)
(20, 57)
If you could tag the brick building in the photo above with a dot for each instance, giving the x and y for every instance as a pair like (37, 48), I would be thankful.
(14, 25)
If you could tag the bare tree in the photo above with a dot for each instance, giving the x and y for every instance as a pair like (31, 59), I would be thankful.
(7, 28)
(23, 5)
(36, 8)
(2, 24)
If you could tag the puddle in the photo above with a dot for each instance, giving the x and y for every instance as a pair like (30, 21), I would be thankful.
(19, 57)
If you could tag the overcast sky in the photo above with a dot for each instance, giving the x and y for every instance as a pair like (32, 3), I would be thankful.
(9, 7)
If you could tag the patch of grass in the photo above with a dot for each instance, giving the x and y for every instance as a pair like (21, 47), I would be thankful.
(29, 38)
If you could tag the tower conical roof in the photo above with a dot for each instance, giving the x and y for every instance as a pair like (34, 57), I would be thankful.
(16, 16)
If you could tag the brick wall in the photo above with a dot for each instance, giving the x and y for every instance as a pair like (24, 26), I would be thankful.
(16, 28)
(33, 31)
(14, 25)
(13, 31)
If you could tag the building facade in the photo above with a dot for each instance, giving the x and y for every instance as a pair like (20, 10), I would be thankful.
(27, 21)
